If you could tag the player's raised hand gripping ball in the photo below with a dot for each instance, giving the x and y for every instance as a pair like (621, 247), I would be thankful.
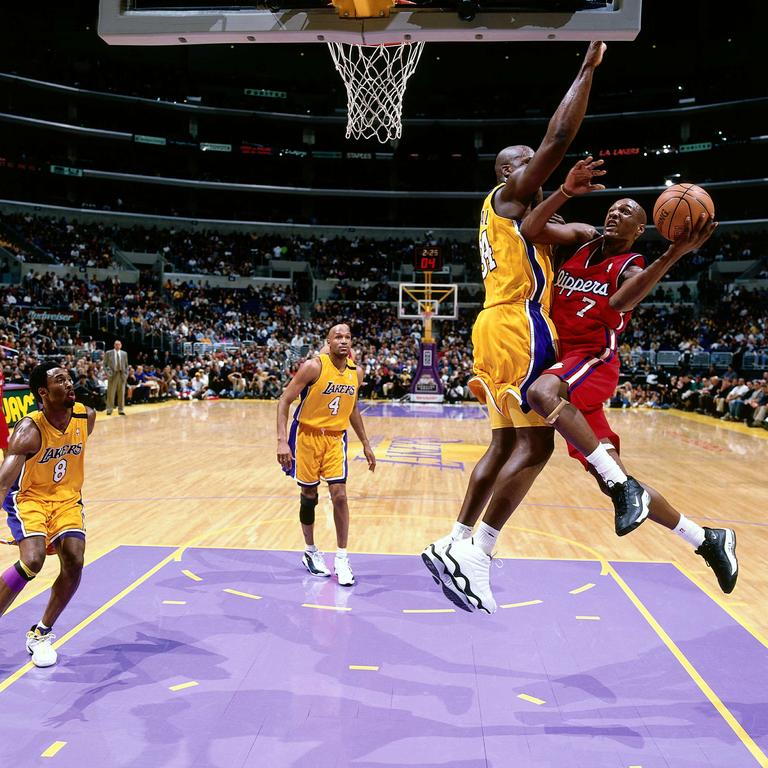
(678, 204)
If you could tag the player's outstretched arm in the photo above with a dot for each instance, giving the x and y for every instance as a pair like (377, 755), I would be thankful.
(539, 227)
(24, 442)
(522, 185)
(638, 283)
(307, 374)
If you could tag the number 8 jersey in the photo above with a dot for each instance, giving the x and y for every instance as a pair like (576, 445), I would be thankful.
(54, 474)
(329, 402)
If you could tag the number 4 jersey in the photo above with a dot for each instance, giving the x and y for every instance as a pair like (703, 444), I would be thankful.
(46, 498)
(329, 402)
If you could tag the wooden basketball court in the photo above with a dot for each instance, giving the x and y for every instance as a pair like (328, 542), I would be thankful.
(195, 491)
(206, 474)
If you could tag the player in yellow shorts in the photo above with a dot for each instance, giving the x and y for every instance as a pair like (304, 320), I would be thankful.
(316, 449)
(41, 480)
(514, 340)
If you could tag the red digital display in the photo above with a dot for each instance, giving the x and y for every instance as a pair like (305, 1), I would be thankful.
(427, 258)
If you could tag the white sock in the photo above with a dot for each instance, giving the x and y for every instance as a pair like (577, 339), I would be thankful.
(688, 531)
(42, 626)
(606, 466)
(341, 553)
(485, 538)
(310, 548)
(460, 531)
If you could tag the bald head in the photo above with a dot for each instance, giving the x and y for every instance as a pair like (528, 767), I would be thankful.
(638, 212)
(340, 328)
(510, 159)
(339, 341)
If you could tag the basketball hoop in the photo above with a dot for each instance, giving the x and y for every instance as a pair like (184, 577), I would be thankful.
(375, 77)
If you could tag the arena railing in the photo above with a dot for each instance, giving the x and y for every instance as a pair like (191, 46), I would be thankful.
(479, 122)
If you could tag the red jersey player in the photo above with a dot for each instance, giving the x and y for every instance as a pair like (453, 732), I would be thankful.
(595, 291)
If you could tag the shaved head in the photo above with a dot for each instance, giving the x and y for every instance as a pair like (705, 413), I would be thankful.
(638, 212)
(339, 341)
(511, 158)
(336, 328)
(624, 223)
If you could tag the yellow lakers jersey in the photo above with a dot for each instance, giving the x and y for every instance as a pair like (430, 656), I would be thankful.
(513, 269)
(55, 472)
(328, 403)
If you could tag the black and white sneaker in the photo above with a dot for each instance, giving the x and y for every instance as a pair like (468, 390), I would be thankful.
(433, 558)
(631, 503)
(719, 553)
(470, 571)
(315, 563)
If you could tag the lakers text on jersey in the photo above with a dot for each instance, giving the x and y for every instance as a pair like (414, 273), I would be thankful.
(46, 499)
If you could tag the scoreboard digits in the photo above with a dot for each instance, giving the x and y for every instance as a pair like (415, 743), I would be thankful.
(427, 258)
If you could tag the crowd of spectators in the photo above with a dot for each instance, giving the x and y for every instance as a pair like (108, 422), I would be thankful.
(190, 340)
(727, 396)
(62, 241)
(353, 258)
(223, 342)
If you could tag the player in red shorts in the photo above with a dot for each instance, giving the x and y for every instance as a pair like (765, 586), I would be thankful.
(596, 289)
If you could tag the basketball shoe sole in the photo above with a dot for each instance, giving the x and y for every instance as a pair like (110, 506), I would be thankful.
(435, 564)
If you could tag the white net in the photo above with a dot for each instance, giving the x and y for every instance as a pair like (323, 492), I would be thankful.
(375, 77)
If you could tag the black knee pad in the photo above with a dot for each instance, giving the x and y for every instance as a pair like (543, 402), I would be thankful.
(307, 510)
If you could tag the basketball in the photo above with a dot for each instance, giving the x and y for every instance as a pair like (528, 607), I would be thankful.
(678, 203)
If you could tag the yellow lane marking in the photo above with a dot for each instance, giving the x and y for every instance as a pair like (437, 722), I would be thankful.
(191, 575)
(54, 748)
(174, 602)
(360, 666)
(242, 594)
(182, 686)
(704, 687)
(44, 583)
(597, 556)
(532, 699)
(429, 610)
(325, 607)
(581, 589)
(726, 606)
(520, 605)
(19, 673)
(588, 618)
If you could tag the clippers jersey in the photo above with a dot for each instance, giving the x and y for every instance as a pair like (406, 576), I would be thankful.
(329, 402)
(513, 269)
(55, 473)
(583, 316)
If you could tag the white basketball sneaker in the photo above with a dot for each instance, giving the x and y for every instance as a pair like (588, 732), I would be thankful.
(433, 558)
(40, 647)
(315, 563)
(469, 569)
(343, 571)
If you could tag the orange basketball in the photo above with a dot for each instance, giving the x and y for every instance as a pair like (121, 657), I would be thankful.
(678, 203)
